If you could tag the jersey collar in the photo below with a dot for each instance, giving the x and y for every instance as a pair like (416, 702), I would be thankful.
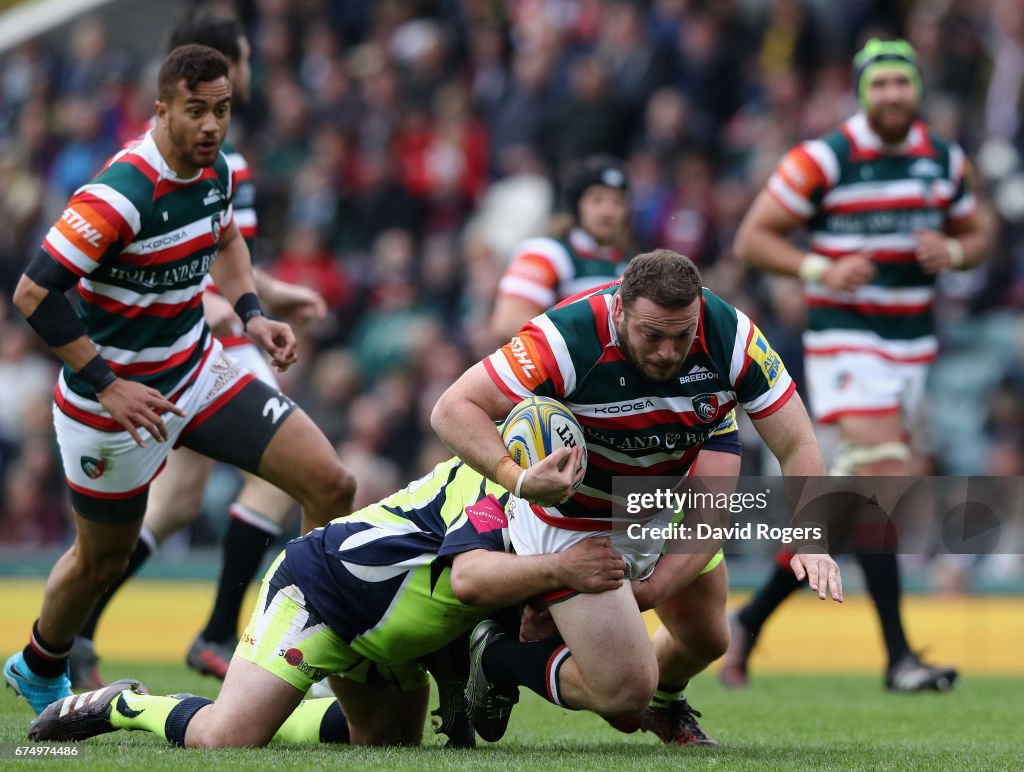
(866, 140)
(151, 152)
(587, 247)
(613, 336)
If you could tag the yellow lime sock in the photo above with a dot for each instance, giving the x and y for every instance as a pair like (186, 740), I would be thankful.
(314, 721)
(146, 712)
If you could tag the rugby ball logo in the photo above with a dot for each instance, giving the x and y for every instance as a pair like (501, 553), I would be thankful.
(538, 426)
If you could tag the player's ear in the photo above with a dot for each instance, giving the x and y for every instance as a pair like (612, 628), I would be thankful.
(160, 109)
(618, 310)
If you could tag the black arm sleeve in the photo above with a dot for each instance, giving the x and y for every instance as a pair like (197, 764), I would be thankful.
(48, 273)
(54, 319)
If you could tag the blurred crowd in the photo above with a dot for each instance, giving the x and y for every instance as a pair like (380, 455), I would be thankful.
(401, 147)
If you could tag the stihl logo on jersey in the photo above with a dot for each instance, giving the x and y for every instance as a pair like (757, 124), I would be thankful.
(522, 357)
(533, 268)
(81, 226)
(799, 172)
(624, 407)
(791, 168)
(697, 374)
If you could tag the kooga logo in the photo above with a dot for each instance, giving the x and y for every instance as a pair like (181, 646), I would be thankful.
(625, 407)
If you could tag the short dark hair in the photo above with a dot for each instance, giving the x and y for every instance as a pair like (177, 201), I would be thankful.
(663, 277)
(192, 63)
(218, 31)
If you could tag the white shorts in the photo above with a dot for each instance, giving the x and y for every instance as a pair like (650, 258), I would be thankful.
(532, 536)
(249, 356)
(109, 465)
(859, 383)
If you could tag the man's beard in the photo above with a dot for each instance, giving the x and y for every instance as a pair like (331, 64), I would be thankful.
(193, 154)
(631, 356)
(889, 134)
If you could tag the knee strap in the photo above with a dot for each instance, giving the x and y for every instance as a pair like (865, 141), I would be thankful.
(852, 455)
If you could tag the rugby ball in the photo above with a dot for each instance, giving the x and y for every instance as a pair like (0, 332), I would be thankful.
(538, 426)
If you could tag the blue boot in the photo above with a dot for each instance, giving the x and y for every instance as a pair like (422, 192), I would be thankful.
(39, 691)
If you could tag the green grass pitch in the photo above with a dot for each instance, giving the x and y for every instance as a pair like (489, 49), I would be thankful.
(781, 722)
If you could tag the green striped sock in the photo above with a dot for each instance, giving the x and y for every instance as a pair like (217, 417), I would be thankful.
(666, 694)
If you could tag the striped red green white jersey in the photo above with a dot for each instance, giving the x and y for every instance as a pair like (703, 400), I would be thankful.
(855, 195)
(546, 271)
(635, 426)
(142, 240)
(244, 198)
(243, 201)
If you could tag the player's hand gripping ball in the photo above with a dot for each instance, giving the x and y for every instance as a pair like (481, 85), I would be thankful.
(538, 426)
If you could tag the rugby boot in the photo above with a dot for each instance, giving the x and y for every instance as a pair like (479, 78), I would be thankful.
(488, 705)
(910, 674)
(676, 724)
(81, 716)
(450, 669)
(37, 691)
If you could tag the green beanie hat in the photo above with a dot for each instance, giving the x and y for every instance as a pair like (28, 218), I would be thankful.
(878, 54)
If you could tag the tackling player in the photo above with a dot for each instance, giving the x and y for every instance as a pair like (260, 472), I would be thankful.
(364, 597)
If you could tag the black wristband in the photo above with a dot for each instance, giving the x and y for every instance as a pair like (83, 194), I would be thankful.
(97, 373)
(247, 307)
